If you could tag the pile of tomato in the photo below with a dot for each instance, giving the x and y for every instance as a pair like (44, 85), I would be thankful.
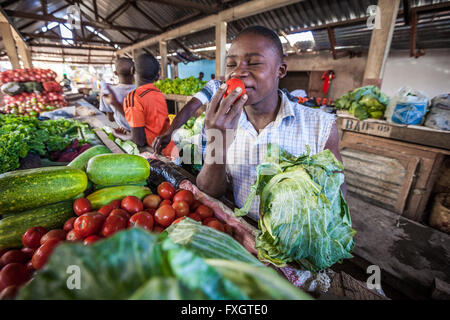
(154, 213)
(27, 74)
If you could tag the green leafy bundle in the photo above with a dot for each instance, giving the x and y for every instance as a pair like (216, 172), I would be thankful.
(365, 102)
(188, 86)
(22, 134)
(303, 214)
(135, 264)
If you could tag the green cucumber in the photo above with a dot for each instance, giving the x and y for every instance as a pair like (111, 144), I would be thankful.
(141, 184)
(81, 161)
(32, 188)
(51, 216)
(117, 169)
(104, 196)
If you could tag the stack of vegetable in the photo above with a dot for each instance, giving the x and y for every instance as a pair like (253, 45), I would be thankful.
(304, 217)
(128, 146)
(190, 261)
(30, 91)
(363, 103)
(20, 135)
(188, 139)
(188, 86)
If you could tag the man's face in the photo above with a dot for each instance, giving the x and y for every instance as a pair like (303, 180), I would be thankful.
(254, 60)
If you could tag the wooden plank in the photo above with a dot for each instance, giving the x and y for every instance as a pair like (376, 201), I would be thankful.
(178, 97)
(381, 128)
(412, 253)
(9, 43)
(238, 12)
(108, 142)
(381, 39)
(221, 50)
(163, 54)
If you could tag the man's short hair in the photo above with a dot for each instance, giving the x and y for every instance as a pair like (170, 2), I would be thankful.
(266, 33)
(147, 67)
(124, 66)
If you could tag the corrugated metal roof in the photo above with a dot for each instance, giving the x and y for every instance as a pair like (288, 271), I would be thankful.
(433, 29)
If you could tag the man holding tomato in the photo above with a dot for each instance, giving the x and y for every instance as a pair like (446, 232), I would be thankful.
(250, 112)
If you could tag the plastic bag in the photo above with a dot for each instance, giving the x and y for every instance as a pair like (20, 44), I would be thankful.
(439, 115)
(408, 106)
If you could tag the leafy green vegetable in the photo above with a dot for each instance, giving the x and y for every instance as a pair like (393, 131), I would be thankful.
(188, 86)
(136, 264)
(303, 214)
(364, 102)
(22, 134)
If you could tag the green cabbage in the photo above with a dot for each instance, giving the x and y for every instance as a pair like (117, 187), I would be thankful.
(304, 217)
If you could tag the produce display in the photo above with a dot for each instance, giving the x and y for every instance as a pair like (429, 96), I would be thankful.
(20, 135)
(30, 91)
(188, 86)
(128, 146)
(165, 266)
(188, 139)
(365, 102)
(304, 217)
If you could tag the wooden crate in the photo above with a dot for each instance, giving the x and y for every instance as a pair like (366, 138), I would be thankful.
(395, 175)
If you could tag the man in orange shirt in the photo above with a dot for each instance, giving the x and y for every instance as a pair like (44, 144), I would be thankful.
(145, 108)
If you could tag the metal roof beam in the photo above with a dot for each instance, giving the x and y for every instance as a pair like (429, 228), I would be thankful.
(190, 5)
(241, 11)
(51, 18)
(49, 45)
(58, 37)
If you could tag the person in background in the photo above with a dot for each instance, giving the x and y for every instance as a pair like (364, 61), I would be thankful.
(189, 109)
(145, 108)
(213, 76)
(65, 83)
(200, 76)
(125, 73)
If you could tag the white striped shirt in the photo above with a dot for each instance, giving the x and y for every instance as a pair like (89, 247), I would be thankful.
(294, 127)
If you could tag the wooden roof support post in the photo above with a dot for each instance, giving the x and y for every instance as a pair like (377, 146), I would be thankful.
(413, 33)
(332, 39)
(25, 54)
(221, 49)
(9, 43)
(380, 42)
(163, 54)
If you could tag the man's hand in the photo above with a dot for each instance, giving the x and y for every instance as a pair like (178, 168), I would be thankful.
(222, 114)
(120, 130)
(161, 142)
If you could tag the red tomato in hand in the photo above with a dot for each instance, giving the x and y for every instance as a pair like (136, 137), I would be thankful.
(88, 224)
(195, 216)
(120, 212)
(165, 215)
(42, 254)
(81, 206)
(204, 211)
(92, 239)
(113, 224)
(132, 204)
(116, 203)
(184, 195)
(152, 201)
(166, 190)
(68, 225)
(14, 256)
(142, 219)
(106, 210)
(57, 234)
(232, 84)
(72, 235)
(13, 274)
(181, 208)
(32, 237)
